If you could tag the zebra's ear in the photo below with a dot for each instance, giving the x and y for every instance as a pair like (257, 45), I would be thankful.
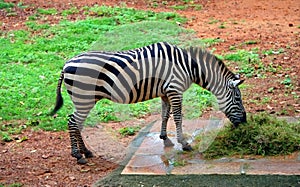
(235, 83)
(237, 76)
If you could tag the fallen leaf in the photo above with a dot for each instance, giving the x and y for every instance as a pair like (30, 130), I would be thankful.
(24, 138)
(85, 170)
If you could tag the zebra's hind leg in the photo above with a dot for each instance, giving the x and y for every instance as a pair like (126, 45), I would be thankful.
(77, 145)
(81, 116)
(165, 114)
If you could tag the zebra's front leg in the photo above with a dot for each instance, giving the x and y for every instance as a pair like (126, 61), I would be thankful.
(165, 114)
(176, 107)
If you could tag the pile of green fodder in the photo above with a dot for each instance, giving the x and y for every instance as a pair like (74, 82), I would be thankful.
(263, 135)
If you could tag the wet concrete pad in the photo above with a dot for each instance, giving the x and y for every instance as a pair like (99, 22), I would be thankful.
(152, 158)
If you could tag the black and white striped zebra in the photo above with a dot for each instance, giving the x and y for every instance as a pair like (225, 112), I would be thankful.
(158, 70)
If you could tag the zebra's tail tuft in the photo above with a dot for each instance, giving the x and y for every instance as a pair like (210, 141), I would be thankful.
(59, 99)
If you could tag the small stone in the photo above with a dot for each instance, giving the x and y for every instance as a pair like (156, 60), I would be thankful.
(45, 156)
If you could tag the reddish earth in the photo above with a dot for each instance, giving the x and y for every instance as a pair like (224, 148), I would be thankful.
(44, 159)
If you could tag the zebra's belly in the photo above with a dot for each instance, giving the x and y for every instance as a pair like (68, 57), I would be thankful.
(88, 88)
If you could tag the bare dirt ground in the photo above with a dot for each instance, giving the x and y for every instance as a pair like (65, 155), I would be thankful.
(44, 159)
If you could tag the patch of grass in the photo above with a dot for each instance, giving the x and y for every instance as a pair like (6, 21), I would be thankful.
(248, 61)
(123, 15)
(37, 26)
(129, 131)
(195, 100)
(178, 162)
(222, 26)
(179, 7)
(34, 17)
(49, 11)
(250, 42)
(213, 21)
(262, 135)
(139, 34)
(287, 81)
(5, 5)
(17, 184)
(22, 5)
(273, 52)
(186, 6)
(211, 41)
(70, 11)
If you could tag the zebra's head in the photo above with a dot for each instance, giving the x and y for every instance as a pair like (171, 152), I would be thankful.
(231, 103)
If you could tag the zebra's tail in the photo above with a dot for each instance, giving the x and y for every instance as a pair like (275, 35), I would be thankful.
(59, 99)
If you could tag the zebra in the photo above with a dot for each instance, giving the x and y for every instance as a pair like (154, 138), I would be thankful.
(157, 70)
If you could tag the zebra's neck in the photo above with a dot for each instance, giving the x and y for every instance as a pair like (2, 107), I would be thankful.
(209, 72)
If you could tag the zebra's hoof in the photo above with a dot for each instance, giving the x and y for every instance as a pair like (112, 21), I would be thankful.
(88, 154)
(163, 137)
(81, 161)
(187, 148)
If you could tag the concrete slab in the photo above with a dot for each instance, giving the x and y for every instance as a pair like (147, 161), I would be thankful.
(152, 158)
(232, 168)
(290, 167)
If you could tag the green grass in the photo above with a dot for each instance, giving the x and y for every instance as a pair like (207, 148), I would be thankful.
(251, 42)
(12, 185)
(213, 21)
(70, 11)
(49, 11)
(248, 61)
(222, 25)
(273, 52)
(211, 41)
(262, 135)
(31, 61)
(186, 6)
(5, 5)
(195, 100)
(129, 131)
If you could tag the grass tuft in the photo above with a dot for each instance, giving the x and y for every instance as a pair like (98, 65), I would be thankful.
(5, 5)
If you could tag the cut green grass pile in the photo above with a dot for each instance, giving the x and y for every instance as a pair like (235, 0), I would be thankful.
(262, 135)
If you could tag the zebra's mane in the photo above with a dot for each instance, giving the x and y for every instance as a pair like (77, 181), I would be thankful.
(197, 53)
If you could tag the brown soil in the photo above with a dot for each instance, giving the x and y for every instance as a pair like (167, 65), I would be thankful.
(44, 159)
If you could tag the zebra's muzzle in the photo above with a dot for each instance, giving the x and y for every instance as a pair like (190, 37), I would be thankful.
(237, 121)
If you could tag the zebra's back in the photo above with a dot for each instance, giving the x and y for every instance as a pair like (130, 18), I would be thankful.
(123, 77)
